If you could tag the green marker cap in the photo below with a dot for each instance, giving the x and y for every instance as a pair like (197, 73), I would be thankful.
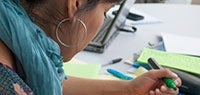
(170, 83)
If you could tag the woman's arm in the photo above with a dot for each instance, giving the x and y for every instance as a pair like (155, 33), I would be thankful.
(80, 86)
(6, 56)
(149, 83)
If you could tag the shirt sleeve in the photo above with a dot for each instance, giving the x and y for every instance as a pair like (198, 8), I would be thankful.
(7, 80)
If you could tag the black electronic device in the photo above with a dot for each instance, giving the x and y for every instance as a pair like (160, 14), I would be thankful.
(134, 17)
(110, 28)
(190, 83)
(131, 16)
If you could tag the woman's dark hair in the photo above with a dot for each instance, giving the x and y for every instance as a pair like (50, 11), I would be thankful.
(110, 1)
(90, 4)
(34, 1)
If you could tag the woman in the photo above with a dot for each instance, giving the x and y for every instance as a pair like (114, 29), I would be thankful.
(36, 36)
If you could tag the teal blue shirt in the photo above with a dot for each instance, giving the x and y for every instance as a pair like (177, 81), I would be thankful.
(37, 56)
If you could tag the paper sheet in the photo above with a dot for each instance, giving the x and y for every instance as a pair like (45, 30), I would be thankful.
(81, 70)
(181, 44)
(107, 77)
(141, 70)
(148, 19)
(183, 62)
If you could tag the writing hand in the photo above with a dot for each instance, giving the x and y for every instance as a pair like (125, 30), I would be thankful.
(151, 83)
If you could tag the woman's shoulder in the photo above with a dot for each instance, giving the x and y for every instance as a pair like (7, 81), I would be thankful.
(6, 56)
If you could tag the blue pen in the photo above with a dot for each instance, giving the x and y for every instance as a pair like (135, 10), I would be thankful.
(136, 64)
(119, 74)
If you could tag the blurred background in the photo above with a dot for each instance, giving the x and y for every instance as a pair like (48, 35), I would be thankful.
(170, 1)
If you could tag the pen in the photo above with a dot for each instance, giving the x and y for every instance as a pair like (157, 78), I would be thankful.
(168, 81)
(119, 74)
(113, 61)
(136, 65)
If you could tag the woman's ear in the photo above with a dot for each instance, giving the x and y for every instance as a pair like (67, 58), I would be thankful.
(73, 6)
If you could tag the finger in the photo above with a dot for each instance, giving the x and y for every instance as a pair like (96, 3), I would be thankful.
(163, 88)
(167, 90)
(158, 92)
(178, 82)
(174, 74)
(157, 84)
(151, 92)
(156, 74)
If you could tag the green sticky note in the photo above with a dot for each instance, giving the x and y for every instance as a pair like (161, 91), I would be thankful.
(90, 71)
(179, 61)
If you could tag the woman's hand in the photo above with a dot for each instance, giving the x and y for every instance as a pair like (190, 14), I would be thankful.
(151, 83)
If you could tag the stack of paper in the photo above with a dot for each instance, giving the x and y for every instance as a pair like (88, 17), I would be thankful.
(183, 62)
(181, 44)
(80, 69)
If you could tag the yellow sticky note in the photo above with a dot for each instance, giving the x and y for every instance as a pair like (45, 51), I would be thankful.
(141, 70)
(179, 61)
(107, 77)
(110, 77)
(90, 71)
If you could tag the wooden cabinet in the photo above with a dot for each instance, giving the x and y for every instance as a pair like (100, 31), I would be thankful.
(195, 1)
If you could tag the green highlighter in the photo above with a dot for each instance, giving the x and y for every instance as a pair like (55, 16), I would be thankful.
(168, 81)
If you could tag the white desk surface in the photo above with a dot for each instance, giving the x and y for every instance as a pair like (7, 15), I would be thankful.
(180, 19)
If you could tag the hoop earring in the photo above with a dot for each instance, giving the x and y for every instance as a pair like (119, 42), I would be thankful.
(72, 45)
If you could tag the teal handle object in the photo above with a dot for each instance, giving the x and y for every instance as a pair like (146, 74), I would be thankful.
(119, 74)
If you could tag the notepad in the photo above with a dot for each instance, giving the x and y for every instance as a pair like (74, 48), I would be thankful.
(107, 77)
(182, 62)
(181, 44)
(110, 77)
(76, 69)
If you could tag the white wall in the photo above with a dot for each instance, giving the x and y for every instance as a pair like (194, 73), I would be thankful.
(179, 1)
(171, 1)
